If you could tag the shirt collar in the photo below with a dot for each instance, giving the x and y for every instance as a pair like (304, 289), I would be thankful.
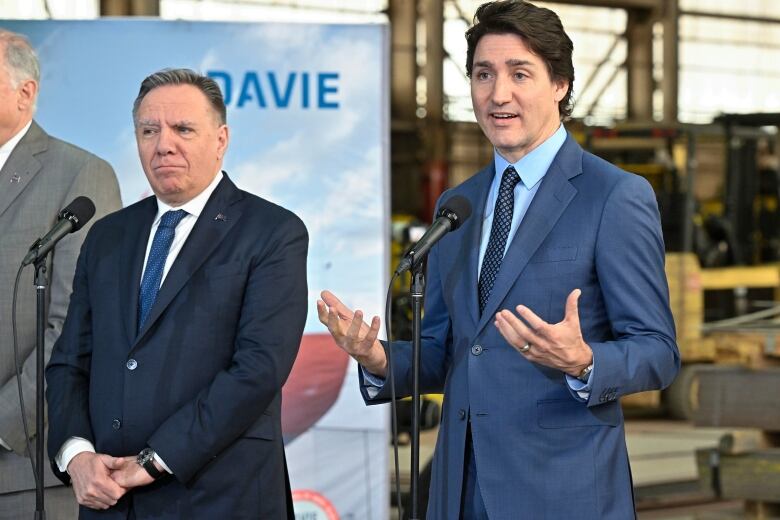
(9, 146)
(535, 163)
(193, 207)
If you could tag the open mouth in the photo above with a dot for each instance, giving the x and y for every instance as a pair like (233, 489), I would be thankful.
(502, 116)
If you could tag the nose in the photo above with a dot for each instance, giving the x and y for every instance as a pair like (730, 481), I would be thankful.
(502, 91)
(165, 142)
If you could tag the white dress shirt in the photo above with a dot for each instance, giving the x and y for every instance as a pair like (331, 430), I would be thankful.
(194, 208)
(8, 147)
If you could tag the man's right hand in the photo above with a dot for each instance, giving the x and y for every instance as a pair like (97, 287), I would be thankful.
(351, 334)
(92, 483)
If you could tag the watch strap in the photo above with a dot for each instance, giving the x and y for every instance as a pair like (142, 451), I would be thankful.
(146, 460)
(585, 374)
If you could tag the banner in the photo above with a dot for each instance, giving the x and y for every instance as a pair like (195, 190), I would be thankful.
(309, 130)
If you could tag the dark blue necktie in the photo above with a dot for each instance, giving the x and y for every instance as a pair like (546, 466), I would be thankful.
(502, 222)
(155, 264)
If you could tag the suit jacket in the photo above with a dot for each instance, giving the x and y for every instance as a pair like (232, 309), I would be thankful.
(41, 176)
(541, 451)
(204, 385)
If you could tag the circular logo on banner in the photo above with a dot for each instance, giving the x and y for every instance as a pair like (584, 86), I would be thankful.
(310, 505)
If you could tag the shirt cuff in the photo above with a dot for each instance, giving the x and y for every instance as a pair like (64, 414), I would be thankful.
(159, 461)
(582, 389)
(372, 383)
(4, 445)
(70, 449)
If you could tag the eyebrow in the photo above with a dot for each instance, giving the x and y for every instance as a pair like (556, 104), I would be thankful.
(511, 62)
(155, 122)
(518, 63)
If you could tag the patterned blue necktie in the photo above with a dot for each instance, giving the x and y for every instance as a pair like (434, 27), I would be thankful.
(502, 222)
(155, 264)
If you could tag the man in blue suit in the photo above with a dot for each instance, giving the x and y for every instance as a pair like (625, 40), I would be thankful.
(188, 307)
(541, 310)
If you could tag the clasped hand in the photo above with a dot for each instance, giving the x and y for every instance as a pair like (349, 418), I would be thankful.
(100, 480)
(558, 345)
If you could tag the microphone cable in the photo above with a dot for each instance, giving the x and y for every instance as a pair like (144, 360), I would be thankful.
(393, 406)
(18, 367)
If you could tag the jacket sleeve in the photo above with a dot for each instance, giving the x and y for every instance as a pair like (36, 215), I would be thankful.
(630, 267)
(68, 371)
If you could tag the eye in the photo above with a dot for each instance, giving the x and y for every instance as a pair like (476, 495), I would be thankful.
(148, 131)
(184, 130)
(483, 75)
(520, 75)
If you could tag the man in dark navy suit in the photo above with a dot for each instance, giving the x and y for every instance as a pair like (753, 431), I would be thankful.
(188, 308)
(541, 310)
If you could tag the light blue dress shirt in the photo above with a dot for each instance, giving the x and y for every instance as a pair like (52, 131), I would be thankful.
(531, 168)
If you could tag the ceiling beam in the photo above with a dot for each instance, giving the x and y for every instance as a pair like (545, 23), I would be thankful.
(615, 4)
(731, 16)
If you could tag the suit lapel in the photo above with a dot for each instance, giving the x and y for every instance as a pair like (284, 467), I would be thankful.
(131, 264)
(207, 234)
(473, 235)
(551, 200)
(22, 165)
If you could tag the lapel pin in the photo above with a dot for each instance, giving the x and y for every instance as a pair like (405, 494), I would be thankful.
(220, 217)
(15, 178)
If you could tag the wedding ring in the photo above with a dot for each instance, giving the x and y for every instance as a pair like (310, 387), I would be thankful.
(525, 348)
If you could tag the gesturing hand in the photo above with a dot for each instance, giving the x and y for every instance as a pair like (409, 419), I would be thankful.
(351, 334)
(92, 483)
(558, 346)
(128, 473)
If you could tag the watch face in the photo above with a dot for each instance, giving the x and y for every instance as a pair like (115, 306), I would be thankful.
(145, 456)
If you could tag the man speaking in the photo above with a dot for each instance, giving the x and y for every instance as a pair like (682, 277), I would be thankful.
(542, 309)
(188, 307)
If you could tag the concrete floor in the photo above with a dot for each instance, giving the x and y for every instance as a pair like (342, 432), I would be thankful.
(663, 465)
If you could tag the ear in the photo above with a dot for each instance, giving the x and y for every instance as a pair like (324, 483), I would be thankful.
(28, 90)
(561, 88)
(223, 137)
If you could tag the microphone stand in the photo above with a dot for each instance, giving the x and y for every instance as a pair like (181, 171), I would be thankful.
(417, 291)
(41, 283)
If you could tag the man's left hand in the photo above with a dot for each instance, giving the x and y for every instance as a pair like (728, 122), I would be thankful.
(128, 473)
(558, 346)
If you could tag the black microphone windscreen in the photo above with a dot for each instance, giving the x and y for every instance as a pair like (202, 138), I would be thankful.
(79, 212)
(460, 206)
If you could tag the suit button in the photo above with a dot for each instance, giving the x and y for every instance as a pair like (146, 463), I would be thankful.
(476, 350)
(131, 364)
(116, 424)
(462, 414)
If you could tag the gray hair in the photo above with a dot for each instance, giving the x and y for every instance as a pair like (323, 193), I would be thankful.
(20, 59)
(203, 83)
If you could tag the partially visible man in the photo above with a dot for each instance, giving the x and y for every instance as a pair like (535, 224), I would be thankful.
(39, 175)
(541, 310)
(187, 313)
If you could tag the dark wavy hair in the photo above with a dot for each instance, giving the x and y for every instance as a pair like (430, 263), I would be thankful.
(203, 83)
(540, 29)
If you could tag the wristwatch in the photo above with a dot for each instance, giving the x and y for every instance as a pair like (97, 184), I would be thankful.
(585, 374)
(145, 459)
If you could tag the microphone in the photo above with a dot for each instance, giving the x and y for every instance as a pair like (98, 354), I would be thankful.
(451, 216)
(70, 219)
